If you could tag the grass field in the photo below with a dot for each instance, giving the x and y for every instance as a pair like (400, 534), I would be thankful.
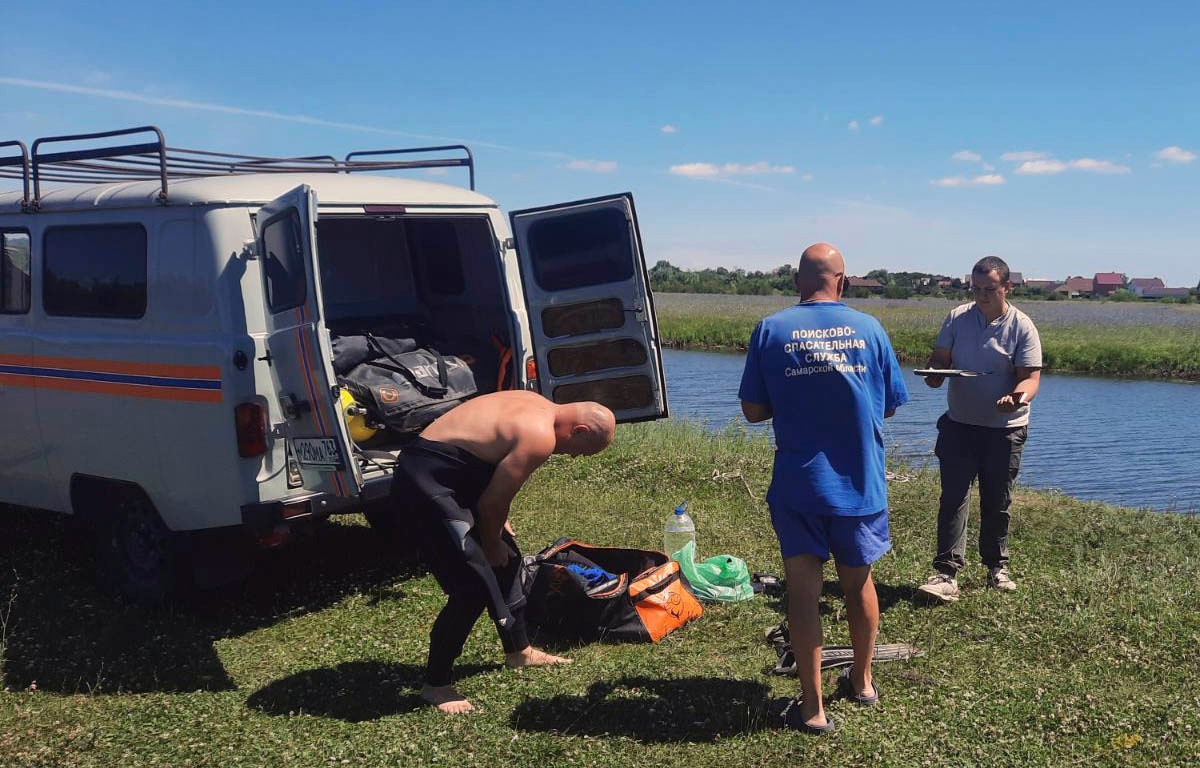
(1102, 338)
(316, 661)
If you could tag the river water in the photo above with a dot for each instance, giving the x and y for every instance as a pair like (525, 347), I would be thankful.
(1132, 443)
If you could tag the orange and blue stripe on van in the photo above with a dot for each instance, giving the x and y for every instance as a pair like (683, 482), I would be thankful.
(186, 383)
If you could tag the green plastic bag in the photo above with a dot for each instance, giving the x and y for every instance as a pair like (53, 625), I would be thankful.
(722, 578)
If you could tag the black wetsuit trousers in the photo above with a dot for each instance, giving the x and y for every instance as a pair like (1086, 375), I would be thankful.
(438, 486)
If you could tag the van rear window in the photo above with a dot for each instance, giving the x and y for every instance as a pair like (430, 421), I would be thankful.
(589, 248)
(96, 271)
(14, 273)
(283, 262)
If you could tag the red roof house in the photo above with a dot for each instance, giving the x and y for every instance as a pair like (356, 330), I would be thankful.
(1139, 284)
(1076, 286)
(1105, 283)
(872, 285)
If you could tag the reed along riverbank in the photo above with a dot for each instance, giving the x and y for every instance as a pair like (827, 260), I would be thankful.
(317, 660)
(1096, 338)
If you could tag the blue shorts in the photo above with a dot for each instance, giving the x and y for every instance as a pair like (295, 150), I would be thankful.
(853, 541)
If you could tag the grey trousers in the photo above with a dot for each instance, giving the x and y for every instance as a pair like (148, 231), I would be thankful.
(966, 452)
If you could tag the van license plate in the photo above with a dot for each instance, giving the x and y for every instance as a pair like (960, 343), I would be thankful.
(317, 452)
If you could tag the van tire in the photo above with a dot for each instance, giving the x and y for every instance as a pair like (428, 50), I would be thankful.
(136, 551)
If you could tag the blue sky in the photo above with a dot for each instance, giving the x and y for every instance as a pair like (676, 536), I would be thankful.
(921, 136)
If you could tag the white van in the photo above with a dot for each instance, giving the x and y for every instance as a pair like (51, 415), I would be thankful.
(165, 320)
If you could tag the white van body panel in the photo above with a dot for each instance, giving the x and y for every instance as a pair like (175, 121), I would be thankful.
(150, 401)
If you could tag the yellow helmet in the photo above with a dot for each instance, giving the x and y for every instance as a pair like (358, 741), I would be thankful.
(355, 416)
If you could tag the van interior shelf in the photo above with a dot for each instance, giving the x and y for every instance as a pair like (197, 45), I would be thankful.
(153, 159)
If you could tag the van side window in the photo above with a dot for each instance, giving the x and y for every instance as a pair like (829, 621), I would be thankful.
(588, 248)
(95, 271)
(434, 245)
(283, 262)
(14, 273)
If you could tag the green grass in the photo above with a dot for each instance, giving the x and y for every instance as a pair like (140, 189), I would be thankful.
(1117, 345)
(316, 660)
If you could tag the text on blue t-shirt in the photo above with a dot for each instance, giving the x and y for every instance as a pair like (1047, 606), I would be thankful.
(829, 374)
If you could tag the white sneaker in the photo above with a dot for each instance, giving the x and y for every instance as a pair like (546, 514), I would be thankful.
(998, 578)
(940, 587)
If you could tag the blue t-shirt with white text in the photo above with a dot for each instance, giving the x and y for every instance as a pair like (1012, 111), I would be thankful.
(829, 374)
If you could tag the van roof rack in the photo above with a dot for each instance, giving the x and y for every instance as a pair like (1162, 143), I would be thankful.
(6, 164)
(153, 159)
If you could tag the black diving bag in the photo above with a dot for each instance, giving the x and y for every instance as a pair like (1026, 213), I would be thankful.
(405, 392)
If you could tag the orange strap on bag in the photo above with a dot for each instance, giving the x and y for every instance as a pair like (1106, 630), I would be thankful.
(663, 602)
(502, 379)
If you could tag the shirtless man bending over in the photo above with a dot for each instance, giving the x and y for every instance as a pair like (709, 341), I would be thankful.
(457, 481)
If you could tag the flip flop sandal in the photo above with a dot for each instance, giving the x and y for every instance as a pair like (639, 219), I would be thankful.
(790, 718)
(767, 583)
(846, 690)
(786, 664)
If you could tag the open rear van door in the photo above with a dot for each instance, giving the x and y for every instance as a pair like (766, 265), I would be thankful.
(298, 351)
(595, 336)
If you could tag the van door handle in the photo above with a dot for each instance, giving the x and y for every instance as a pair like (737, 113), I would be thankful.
(293, 408)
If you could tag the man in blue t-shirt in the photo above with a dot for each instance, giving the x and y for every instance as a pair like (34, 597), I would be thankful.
(828, 377)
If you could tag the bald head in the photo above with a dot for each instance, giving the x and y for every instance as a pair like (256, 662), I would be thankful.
(584, 428)
(819, 273)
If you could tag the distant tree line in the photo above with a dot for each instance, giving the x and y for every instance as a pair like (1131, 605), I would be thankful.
(668, 278)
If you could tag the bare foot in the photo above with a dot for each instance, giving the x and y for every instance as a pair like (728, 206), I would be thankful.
(446, 699)
(532, 657)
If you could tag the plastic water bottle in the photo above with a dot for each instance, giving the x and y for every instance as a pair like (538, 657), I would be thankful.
(679, 530)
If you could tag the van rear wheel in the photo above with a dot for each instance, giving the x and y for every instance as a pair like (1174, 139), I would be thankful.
(136, 549)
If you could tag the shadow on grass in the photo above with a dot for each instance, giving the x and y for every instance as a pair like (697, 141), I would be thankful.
(67, 635)
(652, 710)
(888, 595)
(354, 691)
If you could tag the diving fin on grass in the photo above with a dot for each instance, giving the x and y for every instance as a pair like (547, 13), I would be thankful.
(833, 656)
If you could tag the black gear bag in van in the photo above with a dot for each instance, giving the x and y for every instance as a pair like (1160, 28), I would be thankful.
(572, 597)
(405, 392)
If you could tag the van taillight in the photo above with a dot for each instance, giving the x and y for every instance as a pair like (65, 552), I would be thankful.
(251, 419)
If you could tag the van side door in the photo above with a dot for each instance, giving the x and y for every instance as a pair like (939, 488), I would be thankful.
(594, 332)
(24, 474)
(298, 350)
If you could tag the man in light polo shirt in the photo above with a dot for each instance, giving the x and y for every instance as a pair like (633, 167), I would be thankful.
(984, 429)
(826, 374)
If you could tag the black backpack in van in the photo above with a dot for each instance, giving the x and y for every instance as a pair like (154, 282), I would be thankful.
(405, 392)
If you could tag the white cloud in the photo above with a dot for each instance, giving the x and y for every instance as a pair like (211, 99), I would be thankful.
(593, 166)
(1175, 155)
(668, 128)
(1024, 156)
(1040, 167)
(807, 177)
(712, 170)
(852, 125)
(967, 156)
(986, 180)
(755, 168)
(105, 93)
(1053, 167)
(1098, 166)
(877, 120)
(696, 170)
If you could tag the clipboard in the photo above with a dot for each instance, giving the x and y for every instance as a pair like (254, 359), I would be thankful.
(950, 373)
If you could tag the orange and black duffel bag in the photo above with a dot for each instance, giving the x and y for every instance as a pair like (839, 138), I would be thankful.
(580, 592)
